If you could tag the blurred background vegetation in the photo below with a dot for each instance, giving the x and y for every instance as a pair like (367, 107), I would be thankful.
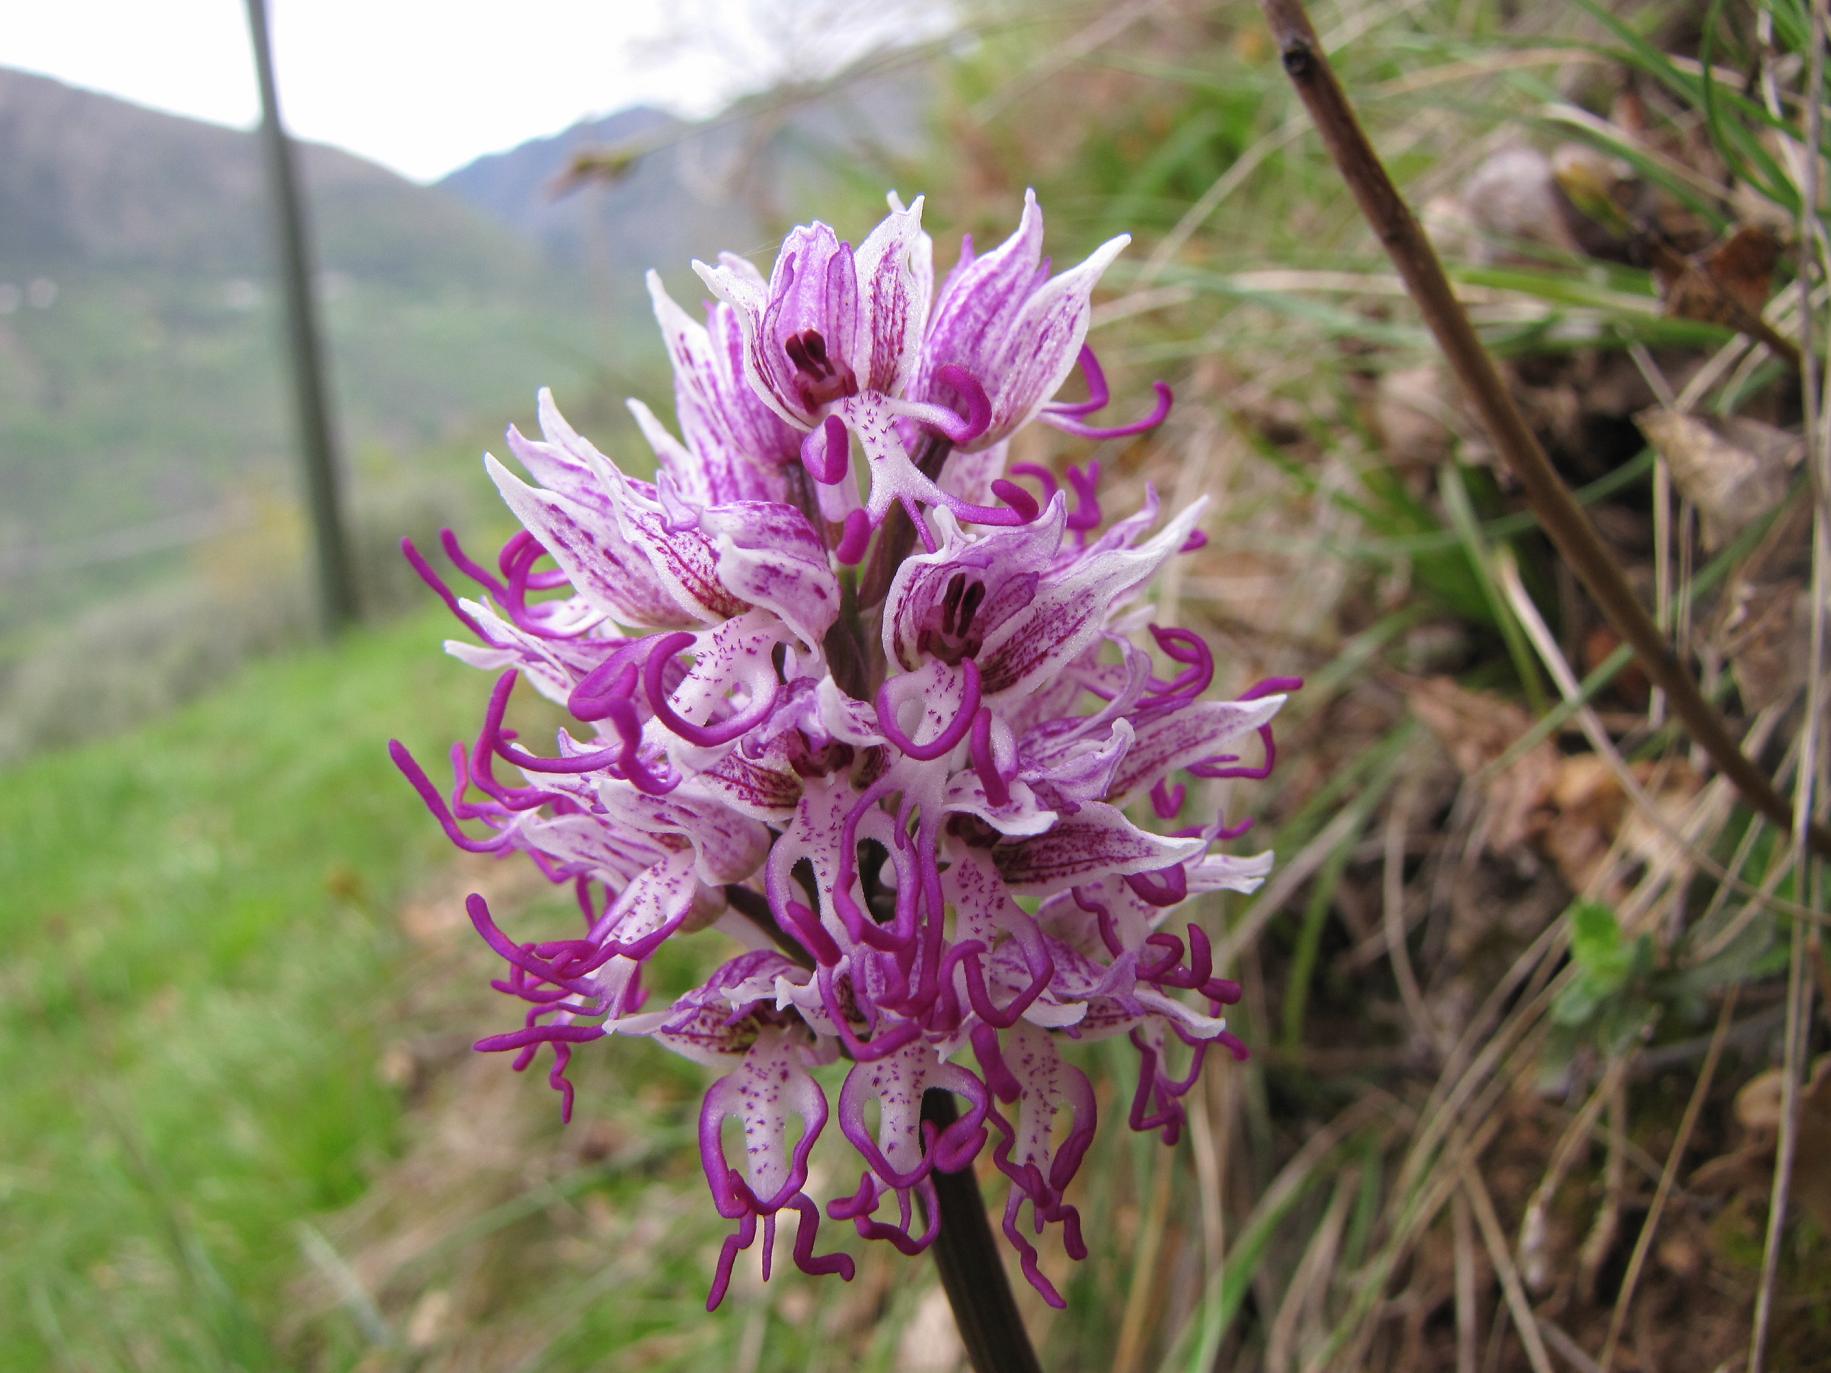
(1535, 1003)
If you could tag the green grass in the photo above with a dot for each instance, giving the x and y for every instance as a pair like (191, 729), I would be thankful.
(199, 960)
(206, 968)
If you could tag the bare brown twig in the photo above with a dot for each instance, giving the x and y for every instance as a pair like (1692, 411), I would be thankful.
(1562, 517)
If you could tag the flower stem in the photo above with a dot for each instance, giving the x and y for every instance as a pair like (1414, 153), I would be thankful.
(1563, 518)
(844, 649)
(972, 1273)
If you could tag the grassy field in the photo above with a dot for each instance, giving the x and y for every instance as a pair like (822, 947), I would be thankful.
(200, 977)
(1535, 1002)
(244, 1129)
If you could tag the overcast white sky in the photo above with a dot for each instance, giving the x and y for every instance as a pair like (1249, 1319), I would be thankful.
(424, 86)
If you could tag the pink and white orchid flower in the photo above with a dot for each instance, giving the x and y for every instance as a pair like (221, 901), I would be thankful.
(942, 833)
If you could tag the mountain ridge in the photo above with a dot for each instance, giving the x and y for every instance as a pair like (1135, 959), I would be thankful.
(99, 181)
(142, 375)
(669, 190)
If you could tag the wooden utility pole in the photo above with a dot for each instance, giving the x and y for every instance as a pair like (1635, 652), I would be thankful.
(317, 445)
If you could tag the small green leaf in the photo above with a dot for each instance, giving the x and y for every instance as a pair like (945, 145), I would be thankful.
(1576, 1003)
(1596, 943)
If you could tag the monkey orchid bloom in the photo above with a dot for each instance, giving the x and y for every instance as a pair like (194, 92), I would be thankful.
(943, 835)
(1004, 321)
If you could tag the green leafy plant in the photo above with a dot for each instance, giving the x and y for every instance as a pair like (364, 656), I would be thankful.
(1611, 1001)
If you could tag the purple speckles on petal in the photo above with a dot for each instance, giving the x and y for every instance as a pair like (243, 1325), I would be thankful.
(934, 701)
(1096, 840)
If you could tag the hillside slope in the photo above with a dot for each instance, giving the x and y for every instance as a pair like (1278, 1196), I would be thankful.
(141, 376)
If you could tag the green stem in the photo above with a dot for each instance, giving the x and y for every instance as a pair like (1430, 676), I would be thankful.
(843, 645)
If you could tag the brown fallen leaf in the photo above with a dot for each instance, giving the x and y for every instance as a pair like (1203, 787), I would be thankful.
(1762, 625)
(1724, 284)
(1749, 1167)
(1476, 728)
(1727, 284)
(1586, 805)
(1733, 470)
(1573, 808)
(1589, 815)
(1766, 636)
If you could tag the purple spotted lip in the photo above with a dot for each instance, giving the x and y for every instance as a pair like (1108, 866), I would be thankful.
(920, 822)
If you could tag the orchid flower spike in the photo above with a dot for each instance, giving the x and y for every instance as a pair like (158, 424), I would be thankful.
(943, 837)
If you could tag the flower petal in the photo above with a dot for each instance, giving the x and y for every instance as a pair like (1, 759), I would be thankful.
(814, 287)
(896, 277)
(894, 475)
(764, 1092)
(896, 1082)
(768, 555)
(654, 902)
(1040, 350)
(1096, 841)
(1005, 562)
(583, 843)
(1069, 614)
(728, 845)
(981, 299)
(1182, 736)
(590, 549)
(734, 442)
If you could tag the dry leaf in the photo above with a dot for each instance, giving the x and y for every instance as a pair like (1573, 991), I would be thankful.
(1733, 470)
(1587, 805)
(1476, 728)
(1591, 816)
(1749, 1168)
(1574, 807)
(1726, 284)
(1766, 636)
(1762, 627)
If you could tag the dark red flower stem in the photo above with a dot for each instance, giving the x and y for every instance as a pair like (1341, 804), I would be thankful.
(1564, 520)
(972, 1271)
(754, 907)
